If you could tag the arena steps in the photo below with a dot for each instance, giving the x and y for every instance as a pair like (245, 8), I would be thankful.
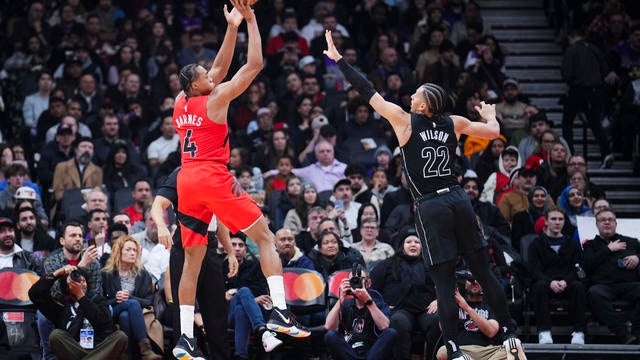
(534, 57)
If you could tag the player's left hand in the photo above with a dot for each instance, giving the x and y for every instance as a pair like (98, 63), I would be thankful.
(331, 52)
(233, 266)
(243, 8)
(486, 111)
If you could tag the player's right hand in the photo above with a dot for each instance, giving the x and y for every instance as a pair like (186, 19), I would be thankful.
(164, 236)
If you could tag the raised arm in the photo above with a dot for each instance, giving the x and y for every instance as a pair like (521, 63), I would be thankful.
(227, 91)
(399, 119)
(488, 129)
(222, 61)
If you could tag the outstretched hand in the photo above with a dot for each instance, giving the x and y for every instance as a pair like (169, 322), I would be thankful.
(234, 17)
(331, 52)
(244, 8)
(486, 111)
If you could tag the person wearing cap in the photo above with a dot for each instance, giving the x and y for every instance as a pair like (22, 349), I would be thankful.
(406, 285)
(488, 213)
(11, 254)
(308, 65)
(79, 172)
(477, 321)
(444, 216)
(17, 189)
(522, 181)
(77, 127)
(346, 208)
(538, 123)
(511, 112)
(262, 129)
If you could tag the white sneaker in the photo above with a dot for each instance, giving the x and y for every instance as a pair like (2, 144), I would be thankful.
(270, 341)
(577, 337)
(544, 337)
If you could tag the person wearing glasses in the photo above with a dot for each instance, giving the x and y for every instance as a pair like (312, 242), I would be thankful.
(611, 263)
(373, 250)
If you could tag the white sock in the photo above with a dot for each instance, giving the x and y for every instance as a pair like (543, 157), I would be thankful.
(276, 290)
(186, 319)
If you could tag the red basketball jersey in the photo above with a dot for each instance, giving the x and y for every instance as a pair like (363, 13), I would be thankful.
(200, 138)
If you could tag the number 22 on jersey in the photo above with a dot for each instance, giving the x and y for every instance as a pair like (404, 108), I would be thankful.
(436, 161)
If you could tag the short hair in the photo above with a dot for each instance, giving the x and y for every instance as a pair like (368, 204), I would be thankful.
(15, 169)
(96, 211)
(605, 210)
(555, 208)
(68, 223)
(139, 181)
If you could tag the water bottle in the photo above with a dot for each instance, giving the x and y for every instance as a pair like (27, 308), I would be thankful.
(581, 274)
(86, 335)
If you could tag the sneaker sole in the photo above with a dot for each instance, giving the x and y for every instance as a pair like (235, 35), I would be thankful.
(182, 354)
(513, 346)
(270, 349)
(290, 331)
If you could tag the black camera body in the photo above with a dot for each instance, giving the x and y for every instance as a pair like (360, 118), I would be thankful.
(355, 281)
(75, 275)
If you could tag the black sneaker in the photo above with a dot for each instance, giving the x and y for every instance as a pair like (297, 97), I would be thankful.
(283, 321)
(187, 349)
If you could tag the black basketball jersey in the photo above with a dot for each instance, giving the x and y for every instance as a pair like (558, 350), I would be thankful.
(429, 155)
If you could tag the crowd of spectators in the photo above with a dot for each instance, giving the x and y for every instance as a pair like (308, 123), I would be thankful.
(86, 99)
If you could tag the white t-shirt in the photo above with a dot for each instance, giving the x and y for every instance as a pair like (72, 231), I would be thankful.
(160, 148)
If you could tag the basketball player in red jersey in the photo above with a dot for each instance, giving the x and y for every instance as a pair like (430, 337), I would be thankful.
(205, 185)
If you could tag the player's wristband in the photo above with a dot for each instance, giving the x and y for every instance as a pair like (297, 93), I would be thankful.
(357, 80)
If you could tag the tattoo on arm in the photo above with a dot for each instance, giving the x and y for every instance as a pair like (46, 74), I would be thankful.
(407, 129)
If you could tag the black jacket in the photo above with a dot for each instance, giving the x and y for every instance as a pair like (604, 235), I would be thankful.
(491, 215)
(601, 264)
(344, 261)
(96, 310)
(547, 265)
(404, 282)
(249, 275)
(143, 291)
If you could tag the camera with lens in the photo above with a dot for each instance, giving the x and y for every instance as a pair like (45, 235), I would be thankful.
(75, 275)
(355, 281)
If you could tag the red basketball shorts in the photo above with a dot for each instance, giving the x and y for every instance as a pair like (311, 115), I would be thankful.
(207, 189)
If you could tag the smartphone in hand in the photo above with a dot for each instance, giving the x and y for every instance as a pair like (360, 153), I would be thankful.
(339, 204)
(92, 241)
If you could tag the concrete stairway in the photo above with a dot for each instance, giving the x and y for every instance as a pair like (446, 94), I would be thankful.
(534, 59)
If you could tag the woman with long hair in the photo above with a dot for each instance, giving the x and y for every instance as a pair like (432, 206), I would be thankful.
(278, 146)
(296, 219)
(289, 199)
(367, 210)
(128, 287)
(122, 58)
(119, 172)
(301, 132)
(404, 282)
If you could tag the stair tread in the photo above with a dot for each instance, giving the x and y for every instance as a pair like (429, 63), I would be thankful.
(531, 47)
(502, 4)
(535, 76)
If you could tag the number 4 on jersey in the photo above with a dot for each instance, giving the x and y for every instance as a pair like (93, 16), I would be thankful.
(188, 145)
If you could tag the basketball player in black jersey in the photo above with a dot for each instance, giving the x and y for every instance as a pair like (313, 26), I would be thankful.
(444, 216)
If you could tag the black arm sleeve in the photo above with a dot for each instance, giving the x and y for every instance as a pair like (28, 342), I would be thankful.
(357, 80)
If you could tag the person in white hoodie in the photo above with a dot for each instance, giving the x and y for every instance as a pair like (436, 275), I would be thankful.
(498, 182)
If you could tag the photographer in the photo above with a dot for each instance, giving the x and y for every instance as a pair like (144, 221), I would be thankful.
(358, 324)
(477, 327)
(83, 325)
